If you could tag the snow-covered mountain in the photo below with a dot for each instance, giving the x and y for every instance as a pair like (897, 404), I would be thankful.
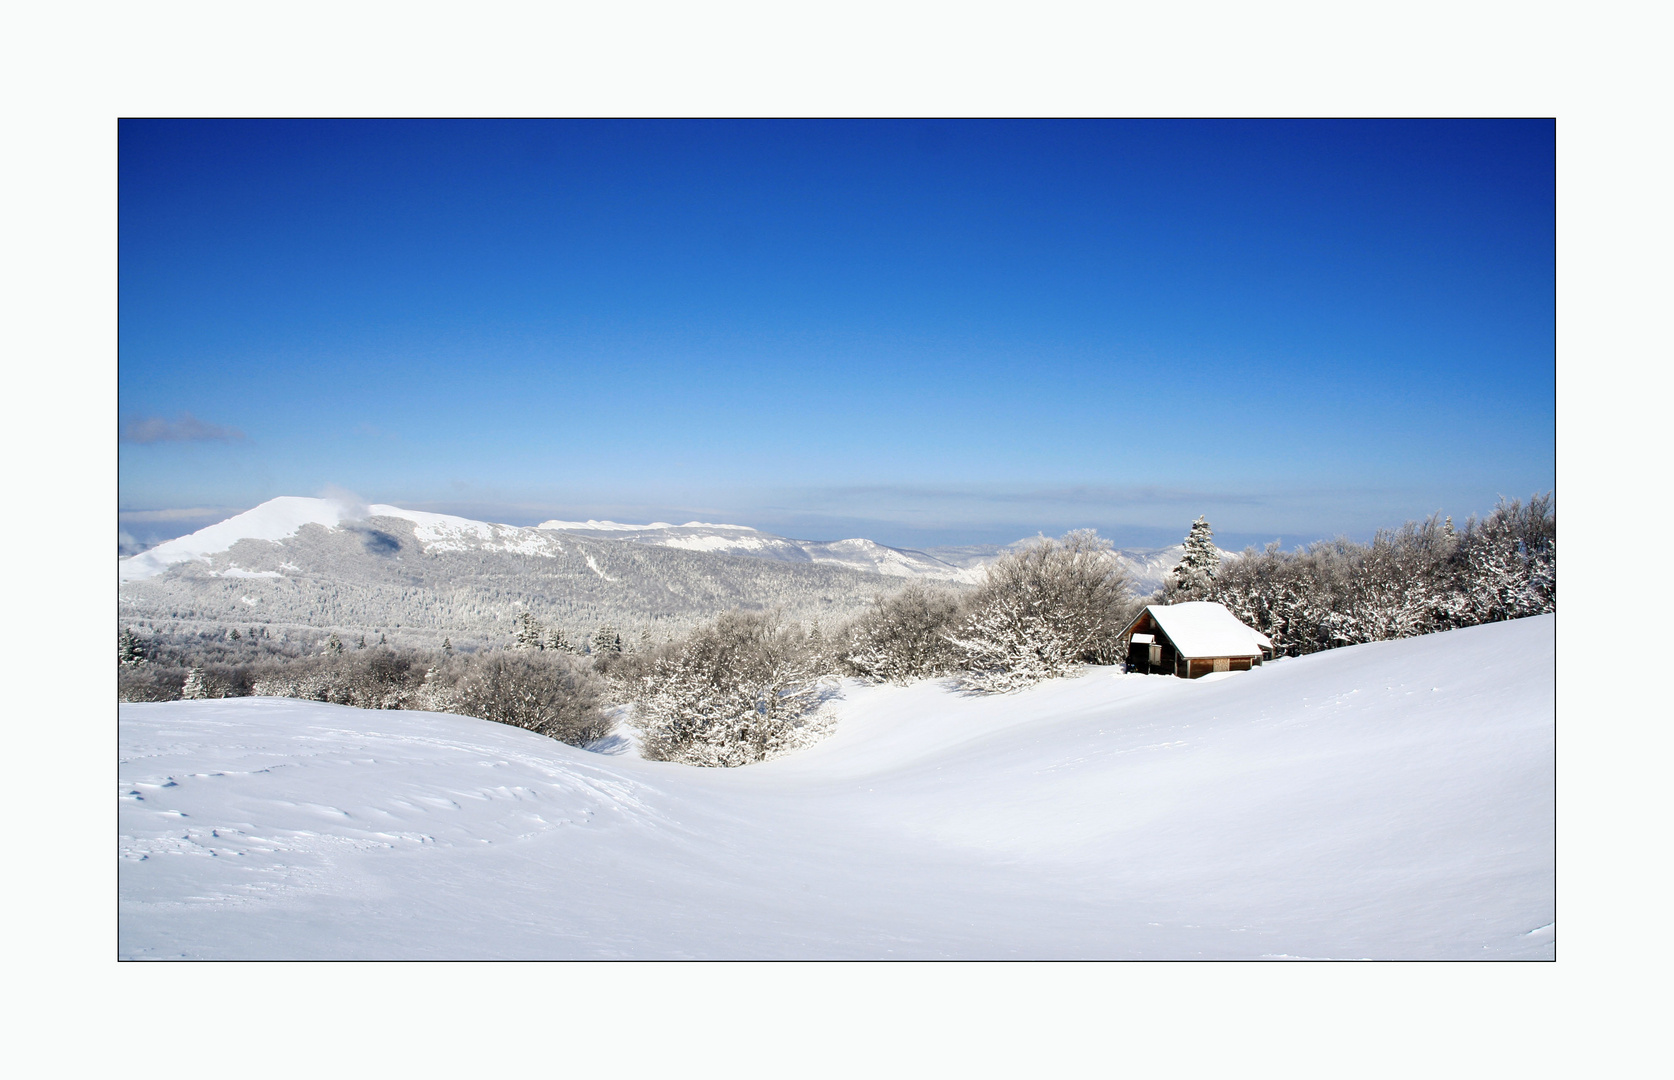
(299, 565)
(1391, 800)
(280, 519)
(334, 564)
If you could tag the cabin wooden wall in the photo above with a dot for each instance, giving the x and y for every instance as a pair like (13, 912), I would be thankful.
(1196, 669)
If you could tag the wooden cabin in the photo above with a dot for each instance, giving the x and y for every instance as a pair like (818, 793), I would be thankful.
(1191, 640)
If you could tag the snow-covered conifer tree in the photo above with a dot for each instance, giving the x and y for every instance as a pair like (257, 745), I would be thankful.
(334, 644)
(193, 689)
(529, 634)
(821, 655)
(129, 651)
(1199, 564)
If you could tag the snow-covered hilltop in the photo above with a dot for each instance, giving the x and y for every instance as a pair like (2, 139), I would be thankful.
(1384, 800)
(299, 568)
(282, 518)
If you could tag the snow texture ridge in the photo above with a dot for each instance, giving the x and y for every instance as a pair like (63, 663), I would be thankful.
(591, 525)
(1384, 800)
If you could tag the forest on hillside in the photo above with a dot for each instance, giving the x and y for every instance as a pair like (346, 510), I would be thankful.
(748, 683)
(381, 580)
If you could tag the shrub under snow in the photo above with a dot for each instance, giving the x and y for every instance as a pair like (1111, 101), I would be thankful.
(550, 693)
(546, 693)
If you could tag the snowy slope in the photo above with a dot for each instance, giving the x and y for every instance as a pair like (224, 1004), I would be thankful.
(1386, 800)
(273, 520)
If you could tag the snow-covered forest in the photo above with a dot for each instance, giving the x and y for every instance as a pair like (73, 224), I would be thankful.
(750, 684)
(1418, 579)
(381, 577)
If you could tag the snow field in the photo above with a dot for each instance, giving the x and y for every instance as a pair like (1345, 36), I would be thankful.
(1385, 800)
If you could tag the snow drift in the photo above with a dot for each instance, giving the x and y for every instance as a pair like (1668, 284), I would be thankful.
(1386, 800)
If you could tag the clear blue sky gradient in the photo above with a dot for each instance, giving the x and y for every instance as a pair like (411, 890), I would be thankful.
(918, 332)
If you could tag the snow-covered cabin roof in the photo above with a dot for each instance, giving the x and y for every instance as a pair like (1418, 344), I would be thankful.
(1199, 628)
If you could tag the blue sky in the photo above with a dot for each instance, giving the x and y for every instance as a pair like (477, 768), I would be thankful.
(919, 332)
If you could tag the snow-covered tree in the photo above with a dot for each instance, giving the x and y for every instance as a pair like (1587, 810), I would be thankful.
(193, 689)
(822, 652)
(334, 644)
(1418, 579)
(1507, 564)
(737, 691)
(1199, 564)
(607, 640)
(130, 652)
(1043, 611)
(529, 635)
(904, 636)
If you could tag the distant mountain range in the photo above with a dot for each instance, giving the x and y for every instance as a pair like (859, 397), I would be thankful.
(303, 564)
(858, 554)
